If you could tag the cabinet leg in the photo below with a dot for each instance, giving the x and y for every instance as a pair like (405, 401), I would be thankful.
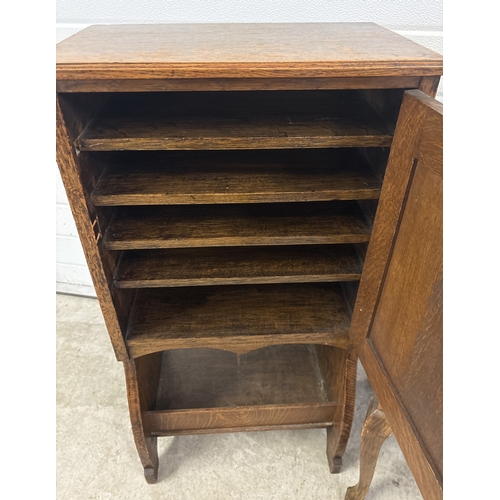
(142, 377)
(148, 453)
(333, 452)
(375, 431)
(339, 371)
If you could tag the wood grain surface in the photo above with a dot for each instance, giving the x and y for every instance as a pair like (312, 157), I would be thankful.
(142, 377)
(241, 51)
(238, 265)
(397, 320)
(413, 358)
(235, 120)
(78, 180)
(230, 84)
(209, 378)
(193, 177)
(202, 389)
(339, 370)
(237, 318)
(373, 435)
(136, 228)
(238, 419)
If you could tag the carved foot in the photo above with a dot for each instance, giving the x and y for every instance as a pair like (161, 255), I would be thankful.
(336, 465)
(149, 459)
(355, 493)
(334, 449)
(151, 474)
(375, 431)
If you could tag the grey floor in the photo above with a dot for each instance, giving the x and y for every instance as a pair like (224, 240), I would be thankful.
(96, 456)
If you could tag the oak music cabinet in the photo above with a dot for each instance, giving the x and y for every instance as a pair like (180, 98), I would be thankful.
(224, 180)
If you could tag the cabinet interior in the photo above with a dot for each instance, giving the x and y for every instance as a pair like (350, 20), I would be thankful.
(233, 228)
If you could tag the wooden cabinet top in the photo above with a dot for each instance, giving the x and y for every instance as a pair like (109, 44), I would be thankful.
(287, 50)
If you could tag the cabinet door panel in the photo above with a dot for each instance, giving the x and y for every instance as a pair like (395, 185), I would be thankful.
(397, 319)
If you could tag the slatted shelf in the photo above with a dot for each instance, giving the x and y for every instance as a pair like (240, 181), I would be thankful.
(191, 177)
(239, 316)
(139, 228)
(238, 265)
(235, 120)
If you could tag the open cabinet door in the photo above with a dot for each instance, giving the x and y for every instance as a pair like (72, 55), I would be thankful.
(398, 315)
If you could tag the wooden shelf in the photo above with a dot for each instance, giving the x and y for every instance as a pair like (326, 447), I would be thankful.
(202, 389)
(235, 120)
(138, 228)
(237, 318)
(237, 265)
(191, 177)
(209, 378)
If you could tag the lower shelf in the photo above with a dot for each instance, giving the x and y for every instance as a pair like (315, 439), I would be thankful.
(207, 390)
(238, 318)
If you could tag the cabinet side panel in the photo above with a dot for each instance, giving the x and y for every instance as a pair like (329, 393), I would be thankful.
(69, 167)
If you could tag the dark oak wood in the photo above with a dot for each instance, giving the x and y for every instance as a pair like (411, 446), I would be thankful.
(220, 420)
(204, 390)
(429, 85)
(338, 367)
(75, 176)
(226, 317)
(235, 120)
(240, 225)
(375, 431)
(238, 265)
(397, 319)
(195, 422)
(385, 102)
(222, 84)
(142, 377)
(211, 378)
(243, 227)
(295, 50)
(236, 177)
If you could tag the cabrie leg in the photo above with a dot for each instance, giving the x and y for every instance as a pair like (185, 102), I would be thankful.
(339, 371)
(142, 376)
(375, 431)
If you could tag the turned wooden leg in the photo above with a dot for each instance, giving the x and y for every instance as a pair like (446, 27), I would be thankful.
(375, 431)
(142, 376)
(339, 371)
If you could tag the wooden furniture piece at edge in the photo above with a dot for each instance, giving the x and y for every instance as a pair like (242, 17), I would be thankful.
(397, 324)
(287, 57)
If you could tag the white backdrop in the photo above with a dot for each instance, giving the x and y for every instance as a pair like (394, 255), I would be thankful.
(393, 14)
(420, 21)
